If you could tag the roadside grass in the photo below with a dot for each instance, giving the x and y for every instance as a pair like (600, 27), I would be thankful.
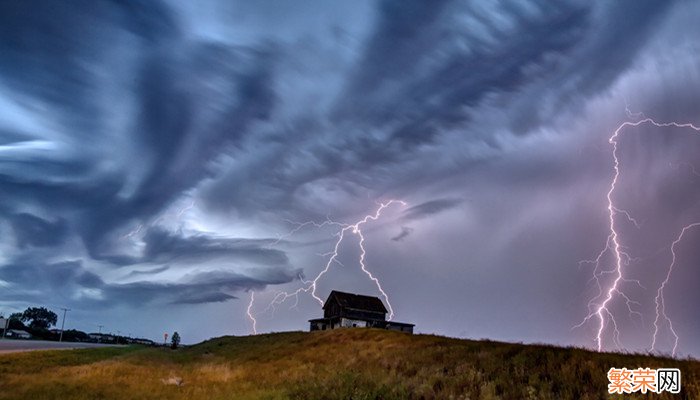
(341, 364)
(33, 362)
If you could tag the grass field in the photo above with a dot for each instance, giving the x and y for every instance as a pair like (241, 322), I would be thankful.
(342, 364)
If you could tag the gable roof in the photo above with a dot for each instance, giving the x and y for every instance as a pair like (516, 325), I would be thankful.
(357, 301)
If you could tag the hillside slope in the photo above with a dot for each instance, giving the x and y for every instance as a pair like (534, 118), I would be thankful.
(341, 364)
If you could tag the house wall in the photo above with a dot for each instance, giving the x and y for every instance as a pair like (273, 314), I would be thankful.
(319, 326)
(352, 323)
(400, 328)
(331, 309)
(360, 314)
(358, 323)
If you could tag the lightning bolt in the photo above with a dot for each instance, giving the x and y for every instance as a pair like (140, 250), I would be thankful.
(633, 115)
(185, 209)
(140, 227)
(601, 312)
(133, 232)
(301, 225)
(691, 168)
(250, 314)
(310, 286)
(660, 303)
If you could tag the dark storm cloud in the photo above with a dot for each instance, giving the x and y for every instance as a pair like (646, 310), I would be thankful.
(34, 231)
(179, 135)
(55, 275)
(418, 71)
(198, 288)
(421, 73)
(162, 246)
(49, 48)
(173, 141)
(199, 298)
(405, 231)
(151, 271)
(429, 208)
(415, 78)
(394, 82)
(175, 137)
(70, 282)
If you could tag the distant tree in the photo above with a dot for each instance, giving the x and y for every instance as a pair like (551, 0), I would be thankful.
(16, 321)
(72, 335)
(175, 341)
(39, 317)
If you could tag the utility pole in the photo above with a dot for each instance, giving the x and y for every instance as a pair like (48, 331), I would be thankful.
(65, 310)
(6, 327)
(99, 332)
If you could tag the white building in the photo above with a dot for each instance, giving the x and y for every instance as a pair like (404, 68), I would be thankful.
(18, 334)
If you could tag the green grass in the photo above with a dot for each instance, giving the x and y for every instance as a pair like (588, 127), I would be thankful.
(342, 364)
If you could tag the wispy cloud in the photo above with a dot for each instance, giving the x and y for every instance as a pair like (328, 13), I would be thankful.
(405, 231)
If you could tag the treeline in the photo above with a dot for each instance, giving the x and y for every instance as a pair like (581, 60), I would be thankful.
(36, 321)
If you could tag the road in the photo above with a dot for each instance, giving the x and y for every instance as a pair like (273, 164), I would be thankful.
(12, 345)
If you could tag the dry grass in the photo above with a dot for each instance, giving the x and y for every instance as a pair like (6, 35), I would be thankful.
(342, 364)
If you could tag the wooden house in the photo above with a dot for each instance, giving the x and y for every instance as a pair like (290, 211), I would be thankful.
(348, 310)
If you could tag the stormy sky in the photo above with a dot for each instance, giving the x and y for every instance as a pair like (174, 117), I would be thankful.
(157, 157)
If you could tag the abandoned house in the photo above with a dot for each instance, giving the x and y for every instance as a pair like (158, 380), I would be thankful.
(347, 310)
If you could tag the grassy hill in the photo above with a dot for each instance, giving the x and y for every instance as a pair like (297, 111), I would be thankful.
(341, 364)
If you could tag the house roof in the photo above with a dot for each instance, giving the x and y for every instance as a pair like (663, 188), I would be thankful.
(357, 301)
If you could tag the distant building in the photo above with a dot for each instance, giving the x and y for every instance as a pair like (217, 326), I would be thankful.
(146, 342)
(347, 310)
(102, 337)
(18, 334)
